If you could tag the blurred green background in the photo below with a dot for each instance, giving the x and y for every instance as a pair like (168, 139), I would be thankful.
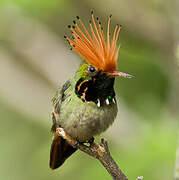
(35, 60)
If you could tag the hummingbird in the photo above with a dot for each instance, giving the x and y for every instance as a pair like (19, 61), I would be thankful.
(85, 106)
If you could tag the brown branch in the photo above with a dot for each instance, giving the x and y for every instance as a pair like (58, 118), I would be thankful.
(98, 151)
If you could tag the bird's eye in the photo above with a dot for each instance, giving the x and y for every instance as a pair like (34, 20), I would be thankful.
(92, 69)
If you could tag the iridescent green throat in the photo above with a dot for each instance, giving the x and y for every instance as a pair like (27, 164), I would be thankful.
(98, 88)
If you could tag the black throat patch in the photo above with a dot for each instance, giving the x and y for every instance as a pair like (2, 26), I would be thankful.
(97, 89)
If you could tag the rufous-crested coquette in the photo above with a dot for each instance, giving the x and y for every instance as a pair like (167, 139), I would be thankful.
(85, 106)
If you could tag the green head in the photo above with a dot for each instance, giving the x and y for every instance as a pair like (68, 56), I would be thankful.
(94, 85)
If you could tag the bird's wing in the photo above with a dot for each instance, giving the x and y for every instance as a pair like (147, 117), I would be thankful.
(60, 149)
(60, 94)
(57, 101)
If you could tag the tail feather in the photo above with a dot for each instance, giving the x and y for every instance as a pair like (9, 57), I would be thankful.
(60, 151)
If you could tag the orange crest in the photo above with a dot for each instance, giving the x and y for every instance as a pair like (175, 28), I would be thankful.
(97, 51)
